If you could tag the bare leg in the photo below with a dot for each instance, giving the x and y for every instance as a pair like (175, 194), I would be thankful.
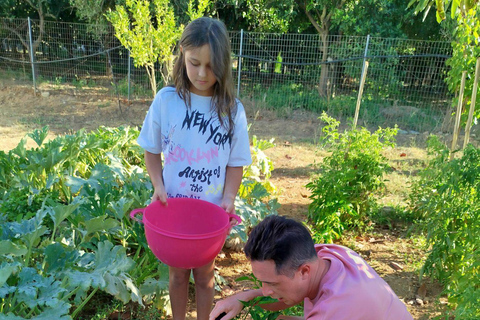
(204, 289)
(178, 291)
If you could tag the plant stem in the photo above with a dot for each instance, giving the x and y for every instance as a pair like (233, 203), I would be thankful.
(80, 307)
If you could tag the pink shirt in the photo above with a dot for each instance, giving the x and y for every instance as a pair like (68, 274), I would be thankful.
(352, 290)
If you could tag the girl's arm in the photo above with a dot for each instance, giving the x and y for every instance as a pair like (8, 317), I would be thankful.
(153, 162)
(233, 179)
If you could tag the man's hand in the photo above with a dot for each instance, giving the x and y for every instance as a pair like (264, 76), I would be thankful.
(230, 307)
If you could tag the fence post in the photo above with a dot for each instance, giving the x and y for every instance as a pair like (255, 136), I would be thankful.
(128, 77)
(239, 65)
(362, 82)
(32, 55)
(472, 104)
(458, 114)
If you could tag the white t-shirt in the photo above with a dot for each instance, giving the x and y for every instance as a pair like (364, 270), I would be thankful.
(196, 147)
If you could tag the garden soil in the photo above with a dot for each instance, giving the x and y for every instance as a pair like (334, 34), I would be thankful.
(394, 256)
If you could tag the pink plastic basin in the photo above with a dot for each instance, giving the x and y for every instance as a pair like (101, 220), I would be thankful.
(188, 233)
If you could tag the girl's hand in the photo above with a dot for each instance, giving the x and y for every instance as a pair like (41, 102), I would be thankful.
(160, 194)
(228, 204)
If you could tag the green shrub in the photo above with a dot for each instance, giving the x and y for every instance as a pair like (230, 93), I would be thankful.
(65, 233)
(447, 198)
(342, 194)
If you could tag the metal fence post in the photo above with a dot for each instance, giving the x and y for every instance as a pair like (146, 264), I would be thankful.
(32, 55)
(239, 65)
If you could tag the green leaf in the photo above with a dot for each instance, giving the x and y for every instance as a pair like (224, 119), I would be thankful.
(62, 212)
(39, 135)
(35, 290)
(153, 286)
(121, 207)
(11, 248)
(6, 270)
(10, 316)
(455, 4)
(82, 282)
(20, 150)
(99, 224)
(58, 257)
(112, 259)
(60, 311)
(114, 263)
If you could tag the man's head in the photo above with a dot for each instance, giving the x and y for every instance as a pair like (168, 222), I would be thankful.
(285, 241)
(283, 257)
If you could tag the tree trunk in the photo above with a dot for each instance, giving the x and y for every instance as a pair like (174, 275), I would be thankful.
(151, 77)
(323, 83)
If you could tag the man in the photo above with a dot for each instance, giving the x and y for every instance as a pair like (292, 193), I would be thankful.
(334, 282)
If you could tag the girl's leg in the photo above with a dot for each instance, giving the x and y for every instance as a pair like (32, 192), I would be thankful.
(204, 289)
(178, 291)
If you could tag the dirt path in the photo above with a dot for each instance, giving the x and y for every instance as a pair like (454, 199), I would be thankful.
(395, 257)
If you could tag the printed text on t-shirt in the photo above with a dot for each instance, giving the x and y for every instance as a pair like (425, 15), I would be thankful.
(207, 127)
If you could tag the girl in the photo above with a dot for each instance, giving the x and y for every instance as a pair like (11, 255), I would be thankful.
(201, 130)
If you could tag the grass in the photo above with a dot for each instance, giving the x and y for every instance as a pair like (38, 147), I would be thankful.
(411, 114)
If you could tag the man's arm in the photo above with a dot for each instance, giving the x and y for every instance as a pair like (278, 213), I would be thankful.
(232, 305)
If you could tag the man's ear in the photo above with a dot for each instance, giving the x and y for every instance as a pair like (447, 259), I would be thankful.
(305, 270)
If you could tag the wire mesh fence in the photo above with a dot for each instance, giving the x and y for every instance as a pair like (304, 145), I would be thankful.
(405, 80)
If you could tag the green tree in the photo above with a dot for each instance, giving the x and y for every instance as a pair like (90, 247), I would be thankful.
(35, 9)
(149, 30)
(465, 44)
(458, 7)
(391, 20)
(258, 15)
(93, 12)
(320, 14)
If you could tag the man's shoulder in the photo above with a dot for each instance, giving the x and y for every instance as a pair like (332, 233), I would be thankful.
(331, 248)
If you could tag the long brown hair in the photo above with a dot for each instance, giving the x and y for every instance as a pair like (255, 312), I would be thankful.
(213, 32)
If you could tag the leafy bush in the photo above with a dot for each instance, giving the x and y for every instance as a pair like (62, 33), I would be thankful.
(447, 198)
(65, 234)
(342, 194)
(254, 201)
(75, 237)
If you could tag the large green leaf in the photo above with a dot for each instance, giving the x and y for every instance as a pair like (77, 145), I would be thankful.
(6, 270)
(10, 248)
(100, 224)
(39, 135)
(59, 257)
(59, 312)
(35, 290)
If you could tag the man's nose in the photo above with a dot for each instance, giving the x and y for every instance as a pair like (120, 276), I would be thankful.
(266, 290)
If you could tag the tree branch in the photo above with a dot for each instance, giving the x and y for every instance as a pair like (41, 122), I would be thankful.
(14, 31)
(303, 5)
